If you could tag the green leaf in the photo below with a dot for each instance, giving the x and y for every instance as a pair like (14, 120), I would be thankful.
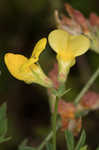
(49, 146)
(84, 147)
(69, 139)
(23, 146)
(81, 141)
(60, 92)
(4, 139)
(81, 113)
(3, 120)
(64, 92)
(26, 148)
(97, 148)
(3, 123)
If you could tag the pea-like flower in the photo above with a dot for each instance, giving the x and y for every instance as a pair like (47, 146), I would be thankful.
(28, 70)
(67, 47)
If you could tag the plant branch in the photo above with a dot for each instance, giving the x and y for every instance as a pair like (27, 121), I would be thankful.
(54, 118)
(87, 86)
(50, 135)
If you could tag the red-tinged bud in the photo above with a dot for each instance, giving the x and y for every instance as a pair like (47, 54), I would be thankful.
(77, 24)
(66, 110)
(80, 19)
(94, 19)
(90, 101)
(75, 126)
(65, 123)
(69, 9)
(66, 21)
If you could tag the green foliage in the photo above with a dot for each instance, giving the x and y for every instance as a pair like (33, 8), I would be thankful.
(3, 123)
(23, 146)
(49, 146)
(69, 139)
(61, 91)
(81, 141)
(97, 148)
(84, 147)
(71, 143)
(81, 113)
(3, 120)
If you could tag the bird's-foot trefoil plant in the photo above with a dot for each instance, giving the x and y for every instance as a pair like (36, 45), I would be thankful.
(67, 42)
(67, 48)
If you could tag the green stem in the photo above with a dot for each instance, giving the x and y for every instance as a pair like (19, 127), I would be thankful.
(54, 123)
(87, 86)
(45, 140)
(50, 135)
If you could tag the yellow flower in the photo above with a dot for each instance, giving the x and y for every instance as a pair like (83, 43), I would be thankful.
(67, 47)
(26, 69)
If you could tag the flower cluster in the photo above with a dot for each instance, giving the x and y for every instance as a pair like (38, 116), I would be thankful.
(67, 112)
(70, 114)
(66, 46)
(77, 24)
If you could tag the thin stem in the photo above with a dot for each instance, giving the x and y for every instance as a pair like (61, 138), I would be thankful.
(46, 140)
(50, 135)
(54, 123)
(87, 86)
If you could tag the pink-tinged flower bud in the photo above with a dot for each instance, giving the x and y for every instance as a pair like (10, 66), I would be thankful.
(94, 19)
(75, 126)
(69, 9)
(66, 21)
(89, 101)
(81, 20)
(66, 110)
(77, 24)
(67, 24)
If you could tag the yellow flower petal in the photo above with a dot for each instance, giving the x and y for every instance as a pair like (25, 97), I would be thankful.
(28, 63)
(14, 63)
(58, 40)
(79, 45)
(39, 47)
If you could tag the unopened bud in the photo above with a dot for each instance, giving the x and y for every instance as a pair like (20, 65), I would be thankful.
(75, 126)
(69, 9)
(89, 101)
(94, 19)
(66, 109)
(80, 19)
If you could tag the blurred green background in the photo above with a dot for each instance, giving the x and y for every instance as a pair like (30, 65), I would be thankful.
(22, 24)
